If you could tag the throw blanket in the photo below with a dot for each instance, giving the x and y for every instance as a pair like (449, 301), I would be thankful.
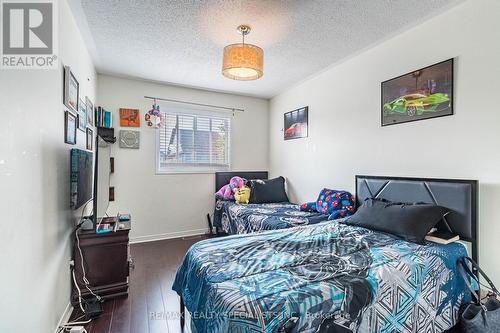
(327, 277)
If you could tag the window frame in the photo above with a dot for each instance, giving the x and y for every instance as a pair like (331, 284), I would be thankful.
(193, 168)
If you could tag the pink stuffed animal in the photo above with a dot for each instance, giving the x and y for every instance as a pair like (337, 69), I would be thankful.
(227, 191)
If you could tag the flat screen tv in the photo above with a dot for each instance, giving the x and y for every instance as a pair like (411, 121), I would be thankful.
(82, 172)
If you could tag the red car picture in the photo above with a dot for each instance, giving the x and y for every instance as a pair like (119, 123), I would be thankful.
(295, 130)
(296, 124)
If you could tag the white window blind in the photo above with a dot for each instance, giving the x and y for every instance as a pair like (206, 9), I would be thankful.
(193, 142)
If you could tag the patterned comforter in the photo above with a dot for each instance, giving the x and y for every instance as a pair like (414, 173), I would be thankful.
(233, 218)
(327, 277)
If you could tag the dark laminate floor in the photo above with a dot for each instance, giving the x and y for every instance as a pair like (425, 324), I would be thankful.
(152, 306)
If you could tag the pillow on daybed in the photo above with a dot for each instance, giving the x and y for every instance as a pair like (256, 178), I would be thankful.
(409, 221)
(267, 191)
(336, 204)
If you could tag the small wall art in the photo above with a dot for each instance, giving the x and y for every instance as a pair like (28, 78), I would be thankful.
(90, 138)
(129, 139)
(296, 123)
(82, 116)
(90, 111)
(71, 90)
(129, 118)
(70, 125)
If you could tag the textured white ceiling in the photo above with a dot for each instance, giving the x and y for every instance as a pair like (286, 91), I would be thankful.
(181, 42)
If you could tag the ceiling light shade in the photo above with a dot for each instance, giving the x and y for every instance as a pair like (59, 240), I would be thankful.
(243, 61)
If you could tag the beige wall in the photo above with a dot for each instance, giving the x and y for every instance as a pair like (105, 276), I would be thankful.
(169, 205)
(34, 186)
(345, 136)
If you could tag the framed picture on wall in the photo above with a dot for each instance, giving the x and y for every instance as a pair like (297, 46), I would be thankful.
(90, 111)
(421, 94)
(130, 139)
(129, 118)
(70, 124)
(71, 90)
(90, 138)
(82, 116)
(295, 124)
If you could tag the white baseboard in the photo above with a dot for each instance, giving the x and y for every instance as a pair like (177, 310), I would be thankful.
(65, 316)
(170, 235)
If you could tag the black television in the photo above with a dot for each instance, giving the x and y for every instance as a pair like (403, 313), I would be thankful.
(102, 169)
(82, 176)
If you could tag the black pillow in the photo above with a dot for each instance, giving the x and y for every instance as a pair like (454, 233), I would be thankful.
(267, 191)
(409, 221)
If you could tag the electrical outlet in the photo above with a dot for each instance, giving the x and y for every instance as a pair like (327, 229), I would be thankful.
(71, 263)
(77, 329)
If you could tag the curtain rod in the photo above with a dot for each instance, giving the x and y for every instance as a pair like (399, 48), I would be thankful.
(197, 104)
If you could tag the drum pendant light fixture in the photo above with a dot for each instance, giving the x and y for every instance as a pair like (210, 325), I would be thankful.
(243, 61)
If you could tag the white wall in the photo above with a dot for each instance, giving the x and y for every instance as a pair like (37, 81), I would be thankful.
(34, 187)
(345, 136)
(169, 205)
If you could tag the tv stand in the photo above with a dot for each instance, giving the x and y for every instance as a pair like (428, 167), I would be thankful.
(106, 259)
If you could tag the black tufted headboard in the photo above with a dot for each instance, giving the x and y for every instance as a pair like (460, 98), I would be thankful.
(223, 178)
(459, 195)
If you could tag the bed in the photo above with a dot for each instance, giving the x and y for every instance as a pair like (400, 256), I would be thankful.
(334, 277)
(232, 218)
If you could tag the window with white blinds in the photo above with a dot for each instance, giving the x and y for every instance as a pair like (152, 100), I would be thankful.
(193, 142)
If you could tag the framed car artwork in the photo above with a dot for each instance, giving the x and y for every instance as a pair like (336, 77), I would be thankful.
(296, 123)
(422, 94)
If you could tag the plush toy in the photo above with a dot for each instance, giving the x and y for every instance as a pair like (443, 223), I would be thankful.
(227, 191)
(236, 183)
(242, 195)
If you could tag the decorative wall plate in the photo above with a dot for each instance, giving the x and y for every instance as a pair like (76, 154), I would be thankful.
(129, 139)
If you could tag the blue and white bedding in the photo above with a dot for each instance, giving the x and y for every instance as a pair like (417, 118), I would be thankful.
(233, 218)
(327, 277)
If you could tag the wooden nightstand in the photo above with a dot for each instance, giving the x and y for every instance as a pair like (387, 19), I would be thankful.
(106, 259)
